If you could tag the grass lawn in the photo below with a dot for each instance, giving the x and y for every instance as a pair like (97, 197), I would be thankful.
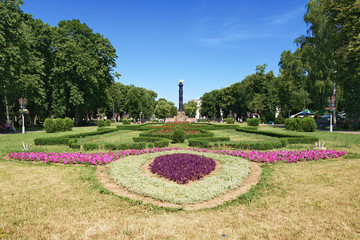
(309, 200)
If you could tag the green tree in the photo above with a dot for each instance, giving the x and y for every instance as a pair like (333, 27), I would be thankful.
(190, 108)
(164, 108)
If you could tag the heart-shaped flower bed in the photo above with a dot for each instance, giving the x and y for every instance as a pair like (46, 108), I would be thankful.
(182, 167)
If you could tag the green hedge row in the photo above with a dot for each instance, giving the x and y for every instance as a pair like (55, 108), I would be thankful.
(256, 145)
(240, 145)
(64, 140)
(307, 124)
(290, 137)
(205, 142)
(58, 125)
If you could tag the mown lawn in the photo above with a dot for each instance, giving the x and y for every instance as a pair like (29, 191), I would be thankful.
(311, 200)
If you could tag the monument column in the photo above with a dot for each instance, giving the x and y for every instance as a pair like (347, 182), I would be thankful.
(181, 96)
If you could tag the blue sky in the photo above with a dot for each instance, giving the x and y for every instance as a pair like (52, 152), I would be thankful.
(210, 44)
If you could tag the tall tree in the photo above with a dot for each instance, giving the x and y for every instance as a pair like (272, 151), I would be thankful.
(190, 108)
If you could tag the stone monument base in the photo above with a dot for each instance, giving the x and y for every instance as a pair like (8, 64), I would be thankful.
(180, 117)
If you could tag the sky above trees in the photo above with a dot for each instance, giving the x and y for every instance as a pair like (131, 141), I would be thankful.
(210, 44)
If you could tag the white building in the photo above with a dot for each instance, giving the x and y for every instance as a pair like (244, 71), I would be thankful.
(198, 101)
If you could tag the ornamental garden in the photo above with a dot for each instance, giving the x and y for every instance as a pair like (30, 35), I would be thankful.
(167, 174)
(181, 163)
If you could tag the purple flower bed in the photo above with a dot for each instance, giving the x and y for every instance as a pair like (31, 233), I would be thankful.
(182, 167)
(103, 158)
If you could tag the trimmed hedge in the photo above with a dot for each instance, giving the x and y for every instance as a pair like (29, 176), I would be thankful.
(64, 140)
(253, 122)
(161, 144)
(135, 127)
(229, 120)
(290, 138)
(101, 123)
(199, 143)
(58, 125)
(255, 145)
(110, 146)
(307, 124)
(75, 145)
(126, 121)
(52, 141)
(148, 139)
(91, 146)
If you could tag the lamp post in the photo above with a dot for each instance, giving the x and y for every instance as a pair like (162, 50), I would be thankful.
(23, 102)
(331, 101)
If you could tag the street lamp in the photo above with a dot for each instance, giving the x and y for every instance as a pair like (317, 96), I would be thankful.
(331, 101)
(23, 110)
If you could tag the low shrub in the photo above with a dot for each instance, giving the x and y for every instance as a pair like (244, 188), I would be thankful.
(69, 123)
(72, 140)
(199, 143)
(101, 123)
(308, 124)
(178, 135)
(255, 145)
(138, 145)
(110, 146)
(63, 140)
(90, 146)
(253, 122)
(126, 121)
(229, 120)
(50, 125)
(150, 145)
(108, 122)
(161, 144)
(146, 139)
(58, 125)
(75, 145)
(122, 146)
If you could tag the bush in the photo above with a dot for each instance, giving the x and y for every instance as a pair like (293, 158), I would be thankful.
(150, 145)
(64, 140)
(75, 146)
(122, 146)
(138, 145)
(72, 140)
(161, 144)
(90, 146)
(146, 139)
(199, 143)
(126, 121)
(108, 122)
(69, 123)
(50, 125)
(253, 122)
(101, 123)
(60, 125)
(229, 120)
(308, 124)
(178, 135)
(110, 146)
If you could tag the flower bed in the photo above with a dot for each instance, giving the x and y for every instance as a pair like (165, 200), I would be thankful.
(182, 167)
(102, 158)
(129, 173)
